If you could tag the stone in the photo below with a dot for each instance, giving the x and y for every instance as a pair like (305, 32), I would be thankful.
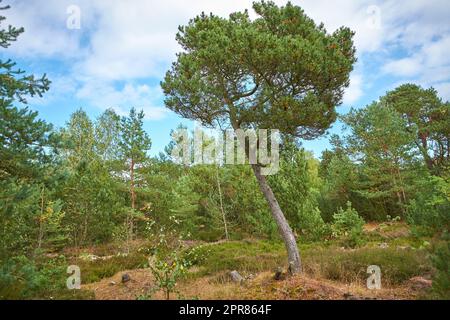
(89, 257)
(420, 283)
(236, 277)
(126, 278)
(279, 275)
(384, 245)
(350, 296)
(112, 283)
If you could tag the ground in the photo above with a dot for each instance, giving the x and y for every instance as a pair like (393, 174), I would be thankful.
(263, 287)
(331, 272)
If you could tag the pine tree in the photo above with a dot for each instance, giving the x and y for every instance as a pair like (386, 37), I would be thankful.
(25, 153)
(279, 71)
(134, 144)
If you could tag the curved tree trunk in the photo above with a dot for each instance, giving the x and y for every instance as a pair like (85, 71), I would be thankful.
(295, 265)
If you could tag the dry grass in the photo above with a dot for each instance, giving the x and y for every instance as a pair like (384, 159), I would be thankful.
(330, 271)
(262, 287)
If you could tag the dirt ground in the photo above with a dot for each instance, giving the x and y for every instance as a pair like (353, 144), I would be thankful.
(262, 286)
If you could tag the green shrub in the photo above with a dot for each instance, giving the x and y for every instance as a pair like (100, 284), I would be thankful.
(431, 209)
(348, 225)
(22, 278)
(313, 226)
(441, 279)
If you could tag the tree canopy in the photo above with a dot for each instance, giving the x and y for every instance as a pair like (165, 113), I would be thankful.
(280, 71)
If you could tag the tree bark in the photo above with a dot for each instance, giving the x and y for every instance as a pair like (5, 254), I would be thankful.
(133, 198)
(295, 265)
(41, 222)
(221, 203)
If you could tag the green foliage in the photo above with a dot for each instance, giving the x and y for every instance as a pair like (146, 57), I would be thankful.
(93, 271)
(394, 147)
(379, 140)
(170, 262)
(244, 62)
(397, 266)
(93, 204)
(22, 278)
(18, 208)
(25, 156)
(246, 256)
(441, 262)
(295, 186)
(74, 186)
(329, 262)
(348, 224)
(134, 140)
(427, 117)
(431, 209)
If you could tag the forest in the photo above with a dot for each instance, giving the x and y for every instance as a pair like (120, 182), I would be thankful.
(87, 213)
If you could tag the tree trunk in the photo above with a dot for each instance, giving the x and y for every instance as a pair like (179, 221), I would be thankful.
(133, 194)
(428, 160)
(295, 265)
(221, 203)
(41, 222)
(133, 198)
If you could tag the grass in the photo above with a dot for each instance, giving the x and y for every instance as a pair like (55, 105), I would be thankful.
(326, 260)
(349, 266)
(329, 262)
(93, 271)
(244, 256)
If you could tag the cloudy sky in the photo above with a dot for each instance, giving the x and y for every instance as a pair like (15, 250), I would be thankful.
(121, 50)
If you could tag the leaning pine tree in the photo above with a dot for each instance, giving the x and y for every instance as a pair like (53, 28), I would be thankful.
(279, 71)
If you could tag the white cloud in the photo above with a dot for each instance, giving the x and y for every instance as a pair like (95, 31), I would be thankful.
(142, 97)
(128, 41)
(444, 90)
(46, 33)
(354, 91)
(428, 66)
(404, 67)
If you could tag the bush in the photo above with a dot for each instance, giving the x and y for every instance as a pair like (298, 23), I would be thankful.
(431, 209)
(22, 278)
(347, 224)
(313, 226)
(441, 279)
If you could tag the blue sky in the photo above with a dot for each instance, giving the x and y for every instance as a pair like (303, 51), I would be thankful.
(122, 49)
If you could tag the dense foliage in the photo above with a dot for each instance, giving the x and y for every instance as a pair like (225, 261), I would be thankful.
(93, 181)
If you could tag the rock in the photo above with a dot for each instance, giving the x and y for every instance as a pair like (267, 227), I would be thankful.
(279, 275)
(125, 278)
(89, 257)
(236, 277)
(420, 283)
(112, 283)
(250, 276)
(383, 245)
(350, 296)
